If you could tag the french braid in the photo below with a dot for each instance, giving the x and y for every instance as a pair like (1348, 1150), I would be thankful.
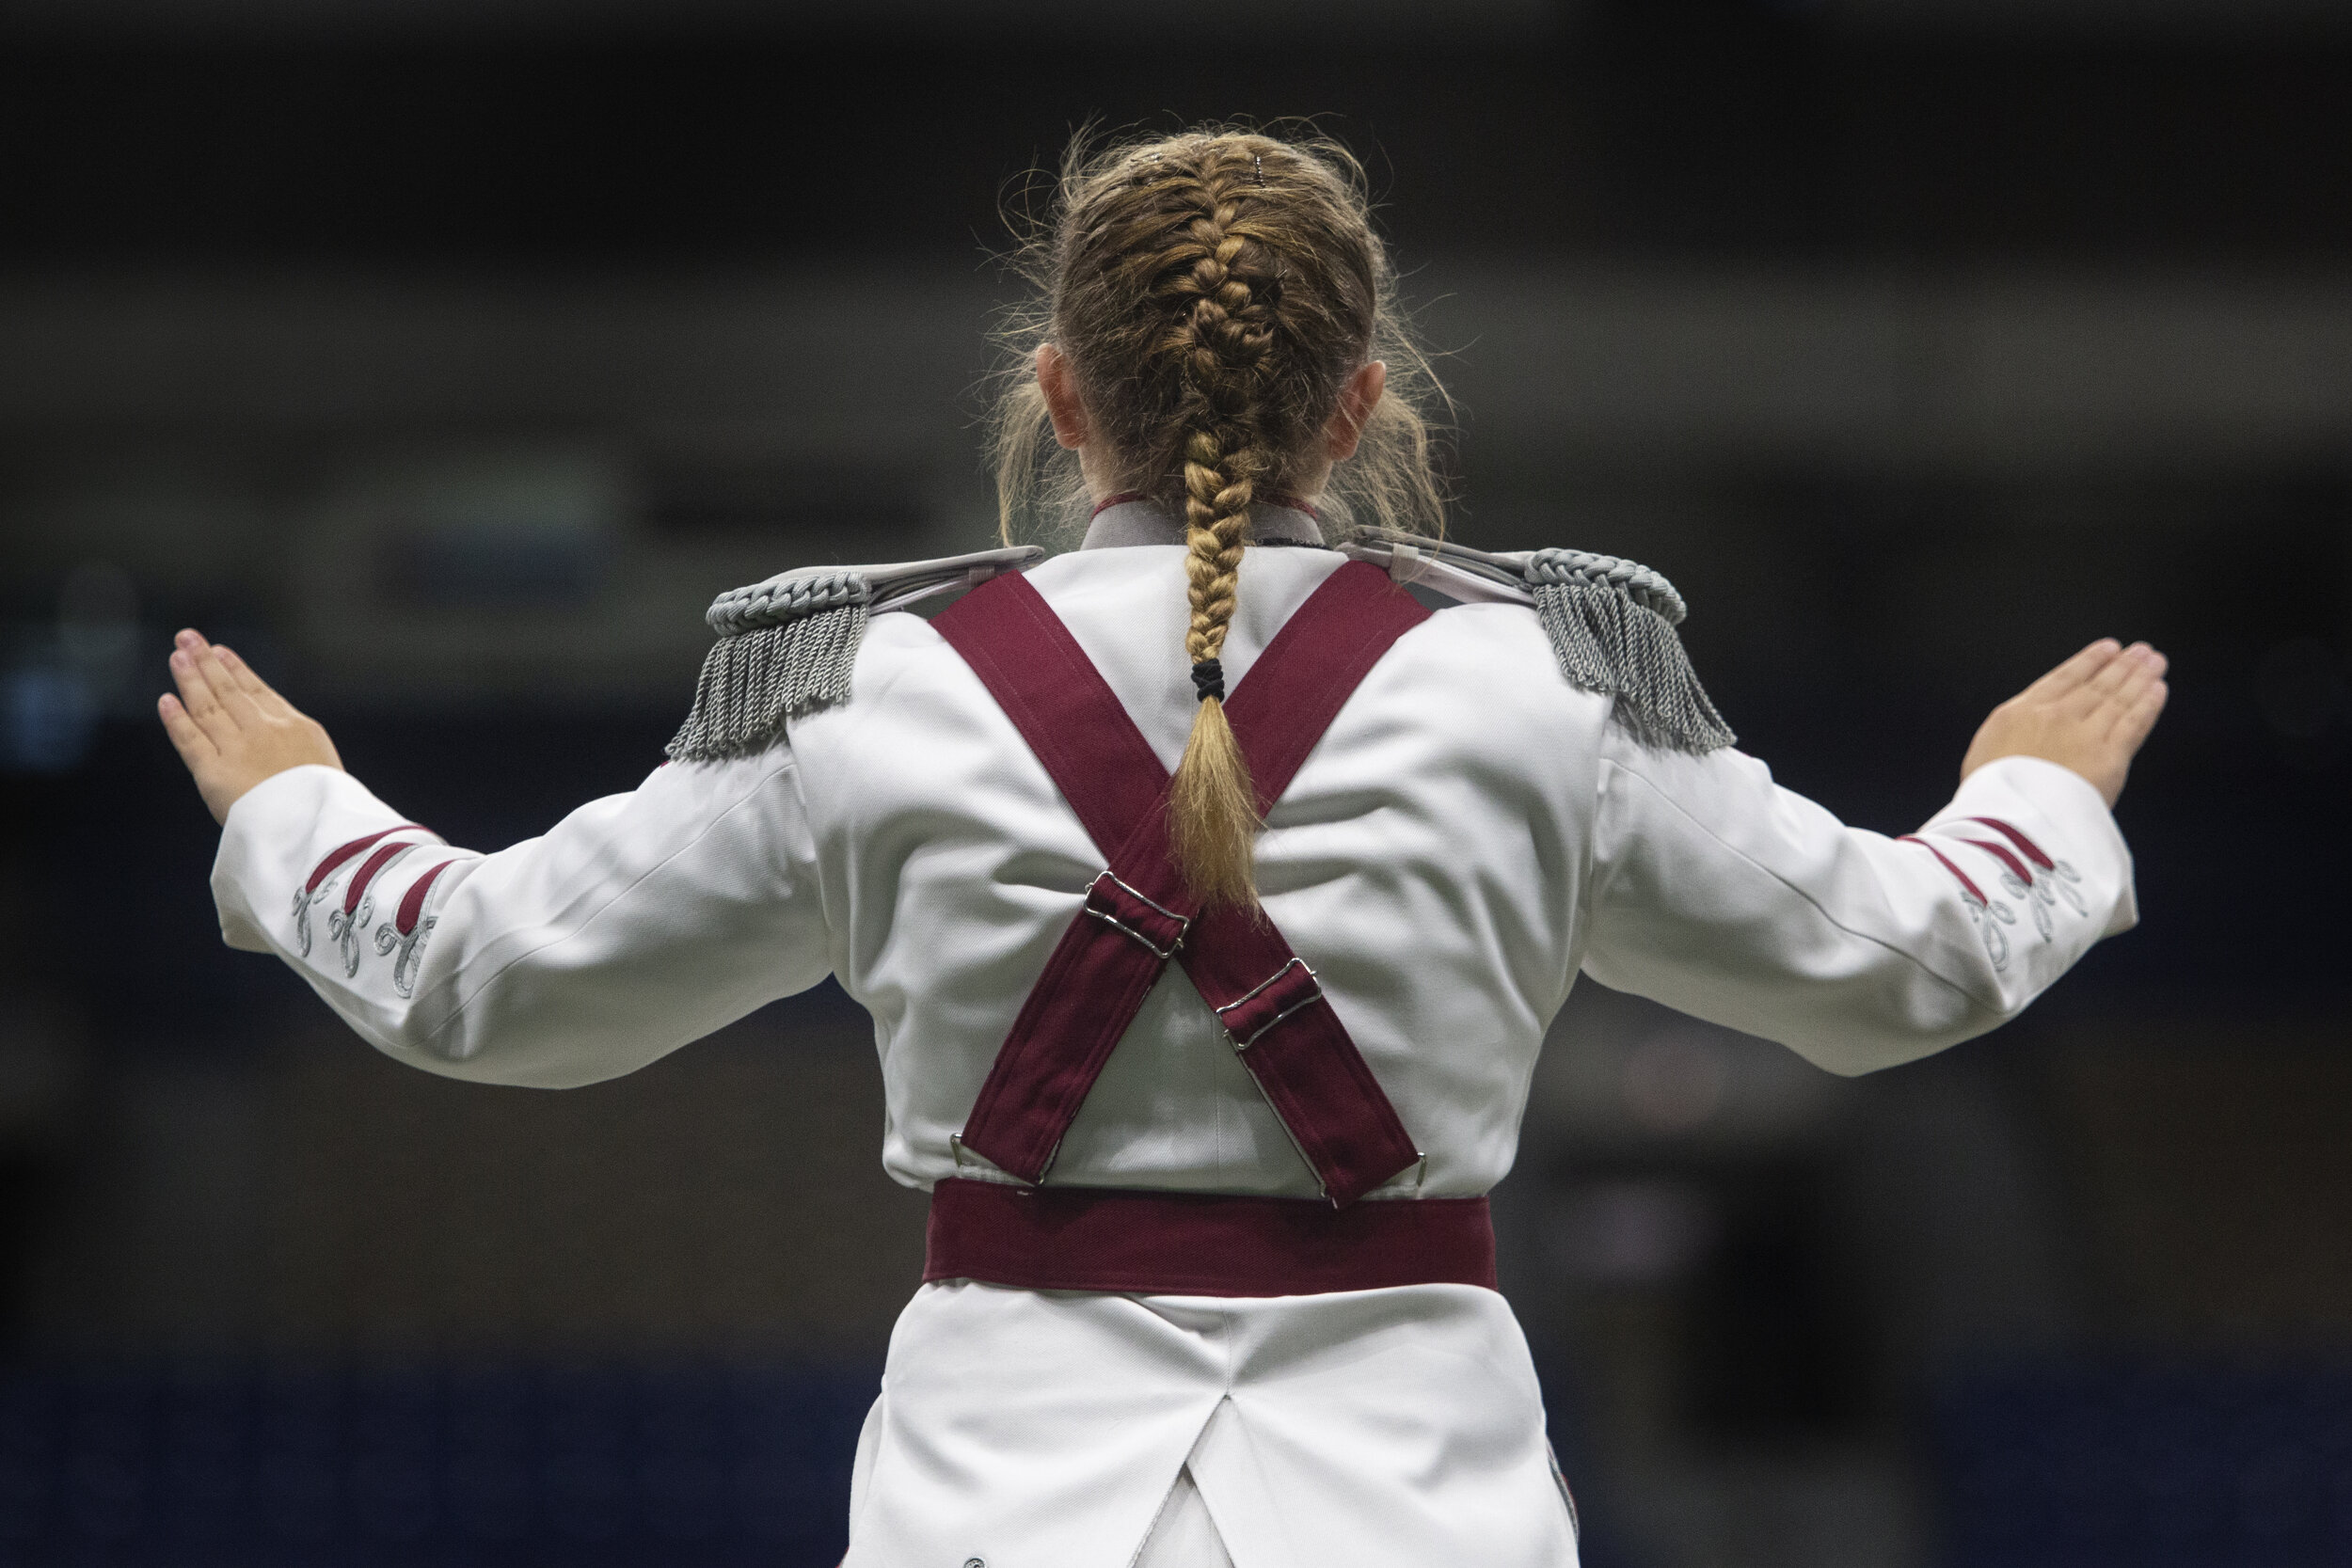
(1213, 294)
(1221, 339)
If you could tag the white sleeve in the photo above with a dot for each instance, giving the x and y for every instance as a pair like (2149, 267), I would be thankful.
(1719, 893)
(639, 923)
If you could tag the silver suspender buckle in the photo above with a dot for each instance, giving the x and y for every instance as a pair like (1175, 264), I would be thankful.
(955, 1148)
(1268, 1002)
(1159, 928)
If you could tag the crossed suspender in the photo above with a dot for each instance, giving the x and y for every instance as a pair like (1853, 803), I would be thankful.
(1137, 914)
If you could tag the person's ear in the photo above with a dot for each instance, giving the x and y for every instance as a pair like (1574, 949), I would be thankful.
(1060, 387)
(1358, 399)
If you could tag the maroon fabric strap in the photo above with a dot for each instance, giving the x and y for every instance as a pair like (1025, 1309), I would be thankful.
(1293, 1044)
(1099, 975)
(1138, 914)
(1198, 1244)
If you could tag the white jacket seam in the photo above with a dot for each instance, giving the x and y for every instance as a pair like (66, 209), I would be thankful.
(458, 1010)
(1998, 1005)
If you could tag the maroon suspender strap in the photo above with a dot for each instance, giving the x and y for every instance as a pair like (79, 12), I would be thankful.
(1111, 956)
(1314, 665)
(1137, 914)
(1060, 703)
(1291, 1041)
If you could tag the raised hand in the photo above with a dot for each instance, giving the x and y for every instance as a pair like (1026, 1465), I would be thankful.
(2090, 714)
(231, 728)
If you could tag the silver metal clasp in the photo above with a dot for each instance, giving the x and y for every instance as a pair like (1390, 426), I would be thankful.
(1181, 923)
(955, 1148)
(1313, 994)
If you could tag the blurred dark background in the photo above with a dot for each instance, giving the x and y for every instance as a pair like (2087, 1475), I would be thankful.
(448, 357)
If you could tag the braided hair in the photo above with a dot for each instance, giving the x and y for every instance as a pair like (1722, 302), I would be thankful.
(1213, 293)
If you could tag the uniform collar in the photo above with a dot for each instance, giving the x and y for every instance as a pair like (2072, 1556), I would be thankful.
(1144, 520)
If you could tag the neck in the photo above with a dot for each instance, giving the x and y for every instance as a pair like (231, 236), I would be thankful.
(1136, 519)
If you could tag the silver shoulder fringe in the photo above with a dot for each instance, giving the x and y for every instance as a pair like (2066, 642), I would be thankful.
(1610, 623)
(787, 646)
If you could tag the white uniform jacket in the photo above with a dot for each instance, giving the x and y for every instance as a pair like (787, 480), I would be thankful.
(1469, 835)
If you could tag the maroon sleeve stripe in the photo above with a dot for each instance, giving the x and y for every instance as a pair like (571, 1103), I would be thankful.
(343, 852)
(2023, 875)
(412, 902)
(1974, 891)
(2032, 852)
(383, 857)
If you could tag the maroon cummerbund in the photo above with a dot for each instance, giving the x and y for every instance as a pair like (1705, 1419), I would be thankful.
(1199, 1244)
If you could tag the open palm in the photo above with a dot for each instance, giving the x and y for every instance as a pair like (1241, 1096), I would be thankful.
(231, 727)
(2090, 714)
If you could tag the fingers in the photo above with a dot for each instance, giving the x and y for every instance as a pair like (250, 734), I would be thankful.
(239, 670)
(194, 681)
(2135, 718)
(187, 736)
(2146, 663)
(2116, 689)
(263, 695)
(215, 697)
(2117, 676)
(2125, 710)
(2077, 670)
(234, 698)
(2153, 668)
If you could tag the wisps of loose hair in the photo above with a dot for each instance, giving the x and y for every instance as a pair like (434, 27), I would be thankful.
(1213, 293)
(1393, 482)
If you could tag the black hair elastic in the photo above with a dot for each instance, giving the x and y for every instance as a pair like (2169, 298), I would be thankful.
(1208, 679)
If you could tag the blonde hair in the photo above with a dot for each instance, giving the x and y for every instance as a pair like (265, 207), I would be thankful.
(1213, 293)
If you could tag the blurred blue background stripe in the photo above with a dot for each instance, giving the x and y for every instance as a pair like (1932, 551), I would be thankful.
(252, 1463)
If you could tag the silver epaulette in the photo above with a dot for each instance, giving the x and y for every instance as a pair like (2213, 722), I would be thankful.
(787, 646)
(1611, 622)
